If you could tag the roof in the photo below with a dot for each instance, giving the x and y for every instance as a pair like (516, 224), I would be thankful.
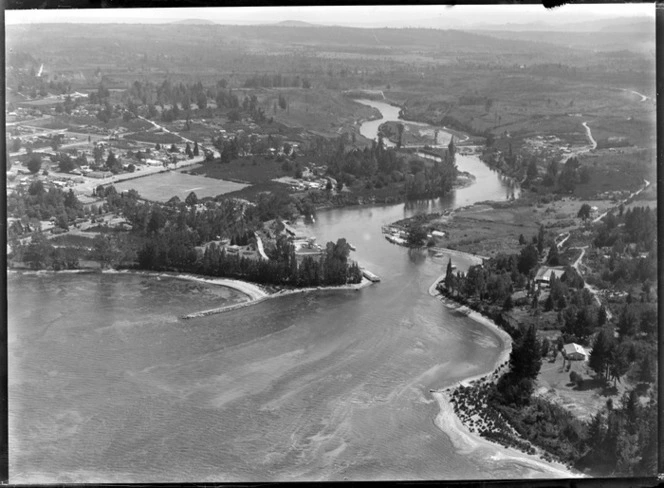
(573, 348)
(544, 273)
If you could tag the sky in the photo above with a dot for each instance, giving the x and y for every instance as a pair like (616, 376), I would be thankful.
(431, 16)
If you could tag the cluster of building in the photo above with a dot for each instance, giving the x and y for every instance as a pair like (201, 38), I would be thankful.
(304, 246)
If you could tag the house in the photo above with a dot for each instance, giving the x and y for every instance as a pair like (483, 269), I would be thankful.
(574, 352)
(543, 276)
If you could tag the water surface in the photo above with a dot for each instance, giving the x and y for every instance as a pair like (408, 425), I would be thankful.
(108, 383)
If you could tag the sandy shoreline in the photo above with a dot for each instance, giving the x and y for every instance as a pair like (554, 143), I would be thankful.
(267, 296)
(465, 441)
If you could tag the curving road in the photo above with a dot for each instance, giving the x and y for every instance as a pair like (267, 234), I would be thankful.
(593, 142)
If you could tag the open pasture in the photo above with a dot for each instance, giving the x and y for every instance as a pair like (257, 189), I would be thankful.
(164, 186)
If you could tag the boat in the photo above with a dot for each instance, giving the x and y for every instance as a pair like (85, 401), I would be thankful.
(369, 275)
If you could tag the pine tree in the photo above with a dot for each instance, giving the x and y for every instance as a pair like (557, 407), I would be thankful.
(448, 275)
(526, 358)
(540, 240)
(601, 353)
(196, 150)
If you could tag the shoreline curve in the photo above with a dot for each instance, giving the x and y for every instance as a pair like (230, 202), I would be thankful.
(447, 421)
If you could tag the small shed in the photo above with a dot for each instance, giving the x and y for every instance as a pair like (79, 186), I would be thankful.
(574, 352)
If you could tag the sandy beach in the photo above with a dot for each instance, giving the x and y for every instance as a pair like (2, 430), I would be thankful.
(257, 295)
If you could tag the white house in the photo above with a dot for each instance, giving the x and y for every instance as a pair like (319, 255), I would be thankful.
(575, 352)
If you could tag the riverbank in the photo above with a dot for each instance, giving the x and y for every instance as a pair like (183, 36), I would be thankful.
(463, 439)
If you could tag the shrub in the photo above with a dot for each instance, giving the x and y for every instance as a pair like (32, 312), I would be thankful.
(574, 377)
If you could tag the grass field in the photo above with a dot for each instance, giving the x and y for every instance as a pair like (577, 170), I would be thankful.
(164, 186)
(553, 383)
(623, 169)
(324, 111)
(154, 137)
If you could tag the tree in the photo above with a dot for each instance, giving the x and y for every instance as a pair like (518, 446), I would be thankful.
(449, 275)
(416, 236)
(191, 199)
(627, 321)
(113, 163)
(601, 353)
(529, 359)
(619, 362)
(71, 201)
(528, 258)
(540, 240)
(517, 385)
(98, 154)
(66, 164)
(648, 322)
(61, 221)
(554, 256)
(38, 252)
(647, 370)
(157, 220)
(196, 151)
(34, 163)
(188, 151)
(584, 211)
(234, 115)
(602, 316)
(105, 250)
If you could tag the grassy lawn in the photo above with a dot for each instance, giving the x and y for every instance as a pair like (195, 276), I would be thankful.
(72, 240)
(488, 231)
(162, 187)
(75, 122)
(154, 137)
(251, 192)
(553, 383)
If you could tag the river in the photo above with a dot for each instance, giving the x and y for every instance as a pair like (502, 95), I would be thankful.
(108, 384)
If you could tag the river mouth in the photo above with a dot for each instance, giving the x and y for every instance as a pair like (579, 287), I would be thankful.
(304, 387)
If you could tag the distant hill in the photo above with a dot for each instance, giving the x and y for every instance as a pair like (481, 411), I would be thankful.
(194, 22)
(295, 23)
(634, 24)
